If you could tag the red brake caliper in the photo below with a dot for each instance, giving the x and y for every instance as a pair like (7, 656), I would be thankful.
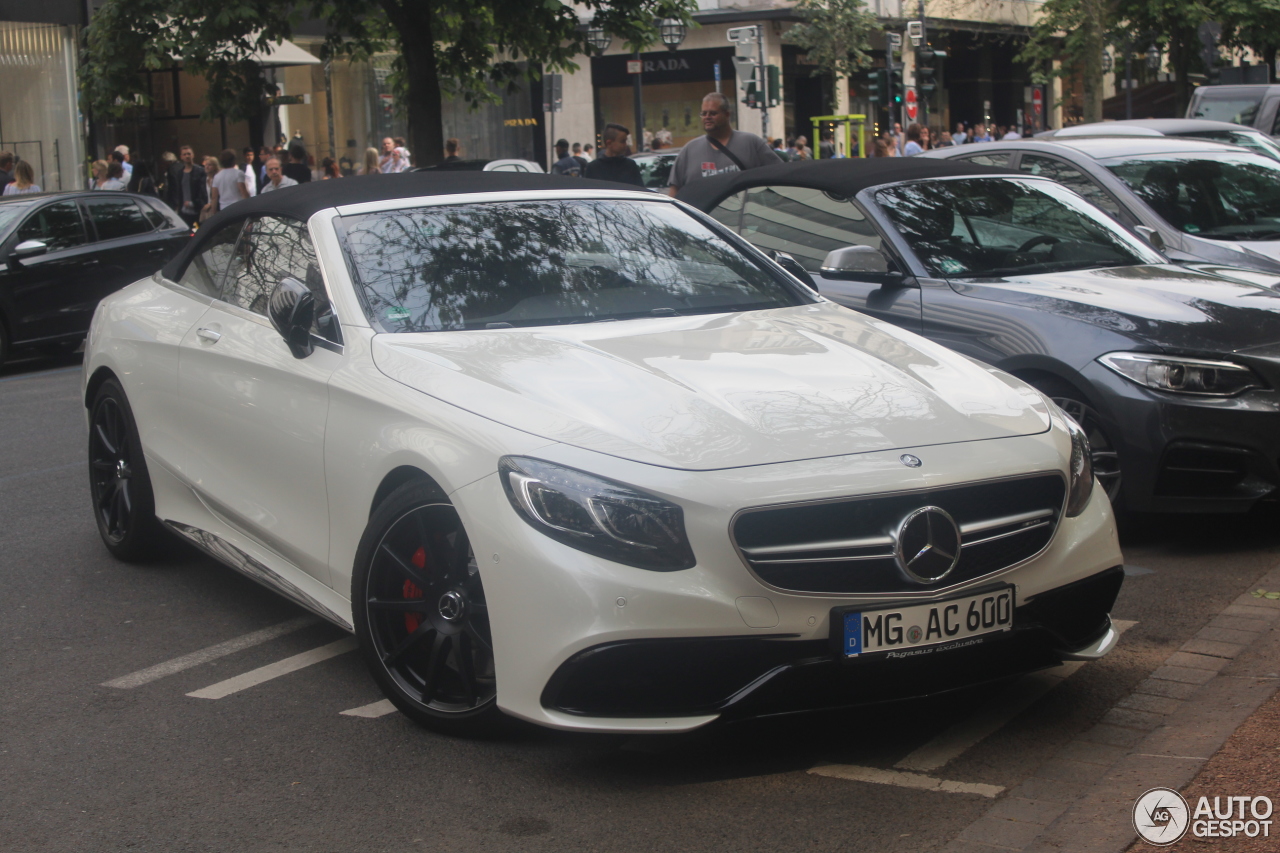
(419, 560)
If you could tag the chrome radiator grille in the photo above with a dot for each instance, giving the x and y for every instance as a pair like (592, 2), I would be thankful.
(847, 545)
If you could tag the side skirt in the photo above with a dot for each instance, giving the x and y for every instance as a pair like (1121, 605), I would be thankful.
(228, 554)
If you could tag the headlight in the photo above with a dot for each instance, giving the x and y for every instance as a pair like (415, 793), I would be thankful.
(1184, 375)
(596, 515)
(1080, 468)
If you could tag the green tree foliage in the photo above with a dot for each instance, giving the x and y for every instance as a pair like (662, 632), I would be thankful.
(1253, 24)
(470, 49)
(1072, 31)
(836, 35)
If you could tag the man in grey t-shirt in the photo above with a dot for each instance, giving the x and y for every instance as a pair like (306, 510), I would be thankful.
(701, 159)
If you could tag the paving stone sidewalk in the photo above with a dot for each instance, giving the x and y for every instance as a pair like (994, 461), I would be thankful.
(1160, 735)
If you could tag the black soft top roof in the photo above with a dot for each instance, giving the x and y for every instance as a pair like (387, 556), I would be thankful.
(845, 177)
(302, 201)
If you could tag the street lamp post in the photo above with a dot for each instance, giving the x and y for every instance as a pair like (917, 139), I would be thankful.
(1153, 57)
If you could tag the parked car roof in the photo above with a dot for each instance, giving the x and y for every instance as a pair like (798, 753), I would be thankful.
(1146, 127)
(1099, 147)
(845, 176)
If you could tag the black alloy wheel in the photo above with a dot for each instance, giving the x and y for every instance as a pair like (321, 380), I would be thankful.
(421, 616)
(123, 504)
(1106, 459)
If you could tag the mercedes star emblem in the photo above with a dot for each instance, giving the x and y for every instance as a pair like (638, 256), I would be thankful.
(927, 544)
(910, 461)
(452, 605)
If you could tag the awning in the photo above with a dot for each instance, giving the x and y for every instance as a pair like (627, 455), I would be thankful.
(282, 54)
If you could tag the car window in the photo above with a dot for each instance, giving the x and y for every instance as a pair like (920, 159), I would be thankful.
(805, 223)
(729, 212)
(1065, 173)
(1259, 143)
(1007, 226)
(1217, 105)
(656, 171)
(549, 262)
(506, 167)
(1000, 159)
(117, 217)
(272, 248)
(205, 270)
(1228, 197)
(58, 225)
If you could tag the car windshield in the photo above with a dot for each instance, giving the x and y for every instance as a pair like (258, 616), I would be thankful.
(10, 212)
(1255, 141)
(1005, 226)
(540, 263)
(1228, 197)
(655, 171)
(1232, 106)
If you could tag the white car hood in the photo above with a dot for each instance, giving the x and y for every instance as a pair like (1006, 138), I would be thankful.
(719, 391)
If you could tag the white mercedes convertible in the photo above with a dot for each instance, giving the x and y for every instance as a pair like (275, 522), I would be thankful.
(576, 454)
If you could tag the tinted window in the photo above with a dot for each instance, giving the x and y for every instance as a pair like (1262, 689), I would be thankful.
(117, 217)
(1064, 173)
(729, 212)
(655, 171)
(58, 225)
(806, 224)
(273, 248)
(995, 227)
(541, 263)
(1236, 107)
(1229, 197)
(1002, 159)
(205, 271)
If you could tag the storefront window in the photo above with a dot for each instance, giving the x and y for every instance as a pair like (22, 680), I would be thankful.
(38, 113)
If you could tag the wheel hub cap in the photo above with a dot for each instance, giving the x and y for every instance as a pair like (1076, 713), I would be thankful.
(452, 606)
(122, 470)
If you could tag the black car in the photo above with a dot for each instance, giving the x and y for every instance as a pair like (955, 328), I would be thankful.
(62, 252)
(1173, 372)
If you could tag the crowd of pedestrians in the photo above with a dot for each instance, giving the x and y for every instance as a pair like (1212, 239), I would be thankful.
(919, 138)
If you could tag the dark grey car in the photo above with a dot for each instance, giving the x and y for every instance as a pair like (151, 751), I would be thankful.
(1172, 371)
(1208, 202)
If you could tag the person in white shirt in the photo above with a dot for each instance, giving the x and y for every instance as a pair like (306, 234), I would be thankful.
(250, 172)
(1012, 134)
(276, 178)
(123, 151)
(228, 185)
(392, 160)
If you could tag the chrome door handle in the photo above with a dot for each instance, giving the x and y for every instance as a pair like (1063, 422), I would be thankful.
(208, 335)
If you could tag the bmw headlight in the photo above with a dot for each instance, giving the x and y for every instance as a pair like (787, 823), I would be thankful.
(1080, 467)
(1184, 375)
(595, 515)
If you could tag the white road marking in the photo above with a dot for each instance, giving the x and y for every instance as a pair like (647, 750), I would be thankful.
(377, 709)
(275, 670)
(169, 667)
(1022, 694)
(876, 776)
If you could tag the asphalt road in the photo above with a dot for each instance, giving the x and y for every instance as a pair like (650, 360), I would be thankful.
(277, 766)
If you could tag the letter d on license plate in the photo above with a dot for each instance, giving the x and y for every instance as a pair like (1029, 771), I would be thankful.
(926, 628)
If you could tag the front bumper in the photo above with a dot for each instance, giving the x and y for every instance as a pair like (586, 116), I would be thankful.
(744, 676)
(1188, 454)
(549, 603)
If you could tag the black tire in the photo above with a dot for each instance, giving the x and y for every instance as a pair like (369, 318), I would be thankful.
(1106, 458)
(420, 615)
(124, 506)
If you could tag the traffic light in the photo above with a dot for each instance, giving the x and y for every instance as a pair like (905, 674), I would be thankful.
(774, 86)
(876, 86)
(927, 69)
(896, 86)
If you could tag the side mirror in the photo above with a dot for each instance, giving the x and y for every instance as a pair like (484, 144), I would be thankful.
(1152, 236)
(29, 249)
(292, 309)
(791, 265)
(861, 263)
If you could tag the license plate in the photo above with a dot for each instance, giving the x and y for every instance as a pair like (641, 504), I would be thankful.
(926, 628)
